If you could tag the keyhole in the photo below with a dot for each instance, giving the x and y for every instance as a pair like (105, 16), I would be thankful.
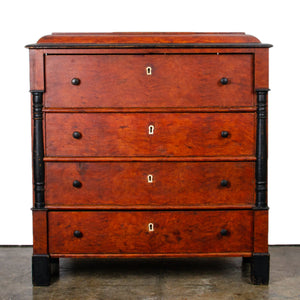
(150, 178)
(149, 71)
(151, 129)
(150, 227)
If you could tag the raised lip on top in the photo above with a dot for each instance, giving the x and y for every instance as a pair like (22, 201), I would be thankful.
(147, 40)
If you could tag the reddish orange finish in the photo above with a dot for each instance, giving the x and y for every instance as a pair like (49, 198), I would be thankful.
(112, 108)
(128, 232)
(153, 255)
(261, 65)
(150, 37)
(175, 80)
(36, 70)
(40, 232)
(148, 158)
(126, 183)
(175, 134)
(149, 207)
(261, 231)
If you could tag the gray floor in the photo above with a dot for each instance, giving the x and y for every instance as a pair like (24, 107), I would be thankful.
(213, 278)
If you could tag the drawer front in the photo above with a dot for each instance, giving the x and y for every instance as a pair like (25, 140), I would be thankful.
(150, 232)
(149, 80)
(150, 183)
(150, 134)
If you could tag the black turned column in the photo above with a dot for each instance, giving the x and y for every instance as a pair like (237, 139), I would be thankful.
(38, 149)
(41, 263)
(261, 149)
(260, 262)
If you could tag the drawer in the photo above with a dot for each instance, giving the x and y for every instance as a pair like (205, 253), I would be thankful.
(150, 134)
(92, 232)
(150, 183)
(149, 80)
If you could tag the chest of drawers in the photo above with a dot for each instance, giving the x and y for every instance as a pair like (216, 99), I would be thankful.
(149, 145)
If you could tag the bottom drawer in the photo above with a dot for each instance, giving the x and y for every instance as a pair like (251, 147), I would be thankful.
(150, 232)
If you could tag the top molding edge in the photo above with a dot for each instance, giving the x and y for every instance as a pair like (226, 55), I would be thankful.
(101, 46)
(147, 40)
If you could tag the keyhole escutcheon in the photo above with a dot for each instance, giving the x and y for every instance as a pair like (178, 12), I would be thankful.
(149, 71)
(150, 178)
(151, 227)
(151, 129)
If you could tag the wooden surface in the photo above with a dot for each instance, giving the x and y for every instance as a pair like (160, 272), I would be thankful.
(153, 255)
(175, 81)
(112, 107)
(127, 232)
(261, 231)
(37, 80)
(175, 134)
(126, 183)
(150, 37)
(40, 232)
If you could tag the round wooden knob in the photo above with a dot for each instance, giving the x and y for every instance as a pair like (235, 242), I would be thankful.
(224, 80)
(77, 135)
(75, 81)
(224, 232)
(77, 184)
(224, 182)
(224, 134)
(77, 233)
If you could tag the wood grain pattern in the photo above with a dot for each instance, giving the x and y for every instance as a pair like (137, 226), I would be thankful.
(149, 109)
(261, 231)
(127, 232)
(261, 66)
(36, 70)
(153, 255)
(147, 158)
(150, 37)
(149, 207)
(175, 134)
(40, 232)
(126, 183)
(161, 50)
(112, 108)
(176, 80)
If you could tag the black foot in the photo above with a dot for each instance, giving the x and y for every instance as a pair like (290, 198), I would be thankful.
(260, 268)
(247, 260)
(54, 266)
(41, 270)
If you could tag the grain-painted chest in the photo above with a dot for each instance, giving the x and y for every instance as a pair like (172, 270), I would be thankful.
(149, 145)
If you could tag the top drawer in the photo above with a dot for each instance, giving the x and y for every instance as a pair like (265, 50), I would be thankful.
(140, 80)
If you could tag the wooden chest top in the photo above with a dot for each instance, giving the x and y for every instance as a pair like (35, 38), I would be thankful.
(134, 39)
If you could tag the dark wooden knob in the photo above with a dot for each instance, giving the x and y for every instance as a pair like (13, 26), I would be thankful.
(224, 182)
(224, 80)
(75, 81)
(224, 134)
(77, 184)
(224, 232)
(77, 135)
(77, 233)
